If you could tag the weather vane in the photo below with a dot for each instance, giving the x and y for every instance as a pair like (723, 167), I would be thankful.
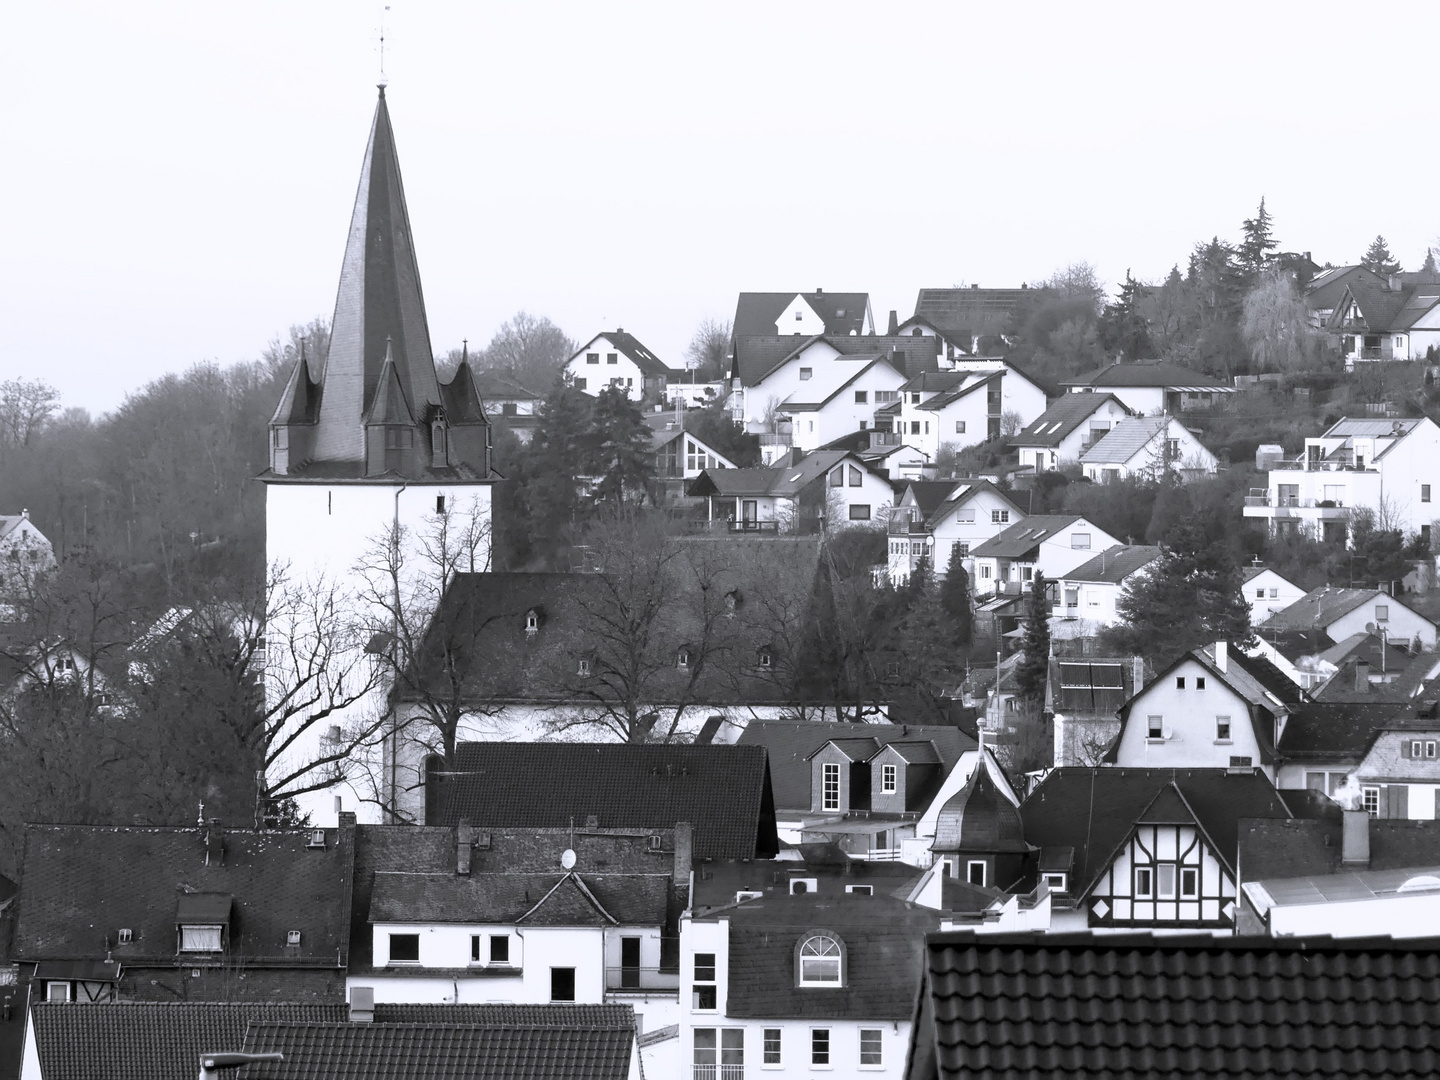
(383, 80)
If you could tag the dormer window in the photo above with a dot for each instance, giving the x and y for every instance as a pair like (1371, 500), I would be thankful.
(532, 622)
(765, 659)
(682, 658)
(292, 937)
(821, 961)
(201, 921)
(584, 668)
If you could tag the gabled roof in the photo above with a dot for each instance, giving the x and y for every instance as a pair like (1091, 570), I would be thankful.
(496, 385)
(1126, 439)
(969, 312)
(1383, 309)
(378, 1051)
(1319, 730)
(882, 939)
(648, 363)
(1324, 290)
(757, 358)
(784, 481)
(976, 381)
(1250, 571)
(791, 743)
(930, 495)
(1069, 411)
(300, 400)
(82, 883)
(1324, 606)
(1024, 537)
(1094, 810)
(997, 1007)
(1151, 373)
(461, 396)
(151, 1040)
(842, 313)
(971, 490)
(1115, 564)
(722, 791)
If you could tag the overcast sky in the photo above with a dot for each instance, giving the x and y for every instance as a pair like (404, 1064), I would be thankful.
(179, 178)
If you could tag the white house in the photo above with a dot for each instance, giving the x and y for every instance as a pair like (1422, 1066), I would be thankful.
(680, 454)
(1073, 424)
(615, 358)
(1384, 466)
(765, 314)
(1051, 544)
(1343, 612)
(1391, 320)
(1152, 387)
(1148, 447)
(833, 485)
(934, 518)
(1267, 592)
(965, 406)
(1089, 592)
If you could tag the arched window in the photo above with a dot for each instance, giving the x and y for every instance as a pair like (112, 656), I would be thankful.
(532, 621)
(821, 960)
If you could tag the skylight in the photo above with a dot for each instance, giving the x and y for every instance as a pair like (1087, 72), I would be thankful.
(794, 478)
(1056, 426)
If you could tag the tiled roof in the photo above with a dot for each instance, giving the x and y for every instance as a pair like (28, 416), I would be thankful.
(1300, 848)
(1385, 310)
(80, 884)
(1055, 424)
(965, 313)
(722, 791)
(1115, 564)
(1023, 537)
(1295, 642)
(963, 495)
(784, 481)
(545, 899)
(1324, 730)
(1147, 1008)
(790, 744)
(377, 1051)
(973, 382)
(930, 495)
(150, 1040)
(1093, 810)
(1126, 439)
(621, 1017)
(1325, 289)
(1153, 373)
(630, 345)
(882, 939)
(843, 313)
(1323, 606)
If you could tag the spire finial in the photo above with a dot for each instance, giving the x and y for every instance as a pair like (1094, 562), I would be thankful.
(382, 82)
(464, 350)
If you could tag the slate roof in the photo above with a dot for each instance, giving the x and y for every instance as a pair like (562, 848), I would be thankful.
(1093, 810)
(1056, 423)
(842, 313)
(1309, 846)
(979, 817)
(82, 883)
(785, 481)
(1295, 642)
(377, 1051)
(791, 743)
(966, 312)
(722, 791)
(1147, 1008)
(133, 1040)
(496, 385)
(1153, 373)
(1322, 607)
(648, 363)
(546, 899)
(882, 938)
(1322, 731)
(1115, 564)
(974, 381)
(1023, 537)
(1126, 439)
(588, 1016)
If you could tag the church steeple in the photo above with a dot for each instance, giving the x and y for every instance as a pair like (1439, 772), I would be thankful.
(379, 347)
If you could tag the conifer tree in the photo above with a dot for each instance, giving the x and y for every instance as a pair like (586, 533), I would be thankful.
(620, 446)
(1378, 259)
(1122, 328)
(1429, 267)
(955, 597)
(1034, 667)
(1258, 242)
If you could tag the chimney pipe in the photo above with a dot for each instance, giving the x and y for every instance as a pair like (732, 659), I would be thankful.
(684, 846)
(1222, 656)
(362, 1004)
(894, 327)
(1362, 676)
(464, 841)
(1355, 840)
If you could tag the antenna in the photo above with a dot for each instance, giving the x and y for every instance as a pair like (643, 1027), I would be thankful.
(383, 81)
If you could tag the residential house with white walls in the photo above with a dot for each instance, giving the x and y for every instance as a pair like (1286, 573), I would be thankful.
(1394, 319)
(24, 552)
(964, 406)
(615, 358)
(1148, 447)
(835, 487)
(1343, 612)
(1050, 544)
(800, 984)
(1323, 292)
(1085, 693)
(680, 454)
(1071, 425)
(1089, 594)
(976, 320)
(1386, 467)
(935, 518)
(1153, 387)
(1267, 592)
(785, 314)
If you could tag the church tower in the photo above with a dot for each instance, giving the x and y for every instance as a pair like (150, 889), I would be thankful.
(367, 443)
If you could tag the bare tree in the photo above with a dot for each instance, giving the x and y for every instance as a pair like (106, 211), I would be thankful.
(26, 406)
(708, 354)
(531, 349)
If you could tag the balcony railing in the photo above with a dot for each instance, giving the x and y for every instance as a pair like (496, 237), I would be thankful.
(719, 1072)
(882, 854)
(642, 978)
(1293, 502)
(737, 526)
(906, 527)
(1315, 465)
(783, 438)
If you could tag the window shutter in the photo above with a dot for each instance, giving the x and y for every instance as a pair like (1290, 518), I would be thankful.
(1397, 798)
(1404, 748)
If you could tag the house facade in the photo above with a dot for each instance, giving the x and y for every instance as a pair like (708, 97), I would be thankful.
(1090, 592)
(1153, 387)
(1073, 424)
(1052, 545)
(833, 486)
(969, 514)
(1268, 593)
(964, 406)
(1383, 466)
(617, 359)
(1393, 319)
(1341, 613)
(1148, 447)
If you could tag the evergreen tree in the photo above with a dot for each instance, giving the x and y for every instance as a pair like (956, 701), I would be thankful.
(955, 597)
(1192, 596)
(1378, 259)
(1257, 244)
(1429, 267)
(1033, 670)
(1122, 328)
(620, 447)
(560, 451)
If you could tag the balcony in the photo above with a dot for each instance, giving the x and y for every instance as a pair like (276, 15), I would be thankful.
(1371, 353)
(719, 1072)
(642, 979)
(735, 526)
(780, 438)
(906, 527)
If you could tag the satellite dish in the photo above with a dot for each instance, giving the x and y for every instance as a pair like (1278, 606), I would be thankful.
(567, 859)
(1370, 628)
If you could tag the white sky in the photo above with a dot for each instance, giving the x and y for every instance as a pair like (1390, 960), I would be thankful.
(180, 176)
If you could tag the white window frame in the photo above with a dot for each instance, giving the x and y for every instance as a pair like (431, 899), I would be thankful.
(878, 1041)
(1222, 729)
(58, 984)
(816, 956)
(1054, 882)
(970, 867)
(826, 802)
(1167, 889)
(766, 1049)
(1370, 800)
(888, 778)
(815, 1051)
(191, 936)
(1155, 727)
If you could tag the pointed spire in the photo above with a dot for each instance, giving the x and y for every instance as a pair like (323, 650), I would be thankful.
(379, 308)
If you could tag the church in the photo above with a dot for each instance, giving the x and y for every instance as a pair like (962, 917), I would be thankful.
(371, 456)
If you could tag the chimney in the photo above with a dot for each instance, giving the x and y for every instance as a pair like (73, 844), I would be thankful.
(894, 323)
(362, 1004)
(1308, 258)
(819, 292)
(464, 841)
(684, 846)
(1362, 676)
(1222, 656)
(1355, 840)
(976, 286)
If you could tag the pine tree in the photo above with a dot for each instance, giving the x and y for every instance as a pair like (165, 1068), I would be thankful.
(1033, 670)
(955, 597)
(1429, 267)
(1122, 328)
(620, 446)
(1378, 259)
(1258, 242)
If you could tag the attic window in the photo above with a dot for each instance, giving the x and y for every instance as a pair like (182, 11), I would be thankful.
(532, 621)
(292, 937)
(806, 374)
(440, 504)
(840, 313)
(799, 317)
(317, 838)
(125, 936)
(200, 938)
(1054, 882)
(822, 961)
(765, 659)
(682, 658)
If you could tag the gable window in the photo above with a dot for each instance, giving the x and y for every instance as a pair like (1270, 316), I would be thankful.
(806, 374)
(821, 961)
(439, 501)
(887, 778)
(1222, 729)
(975, 872)
(959, 427)
(580, 384)
(592, 358)
(1154, 727)
(1259, 594)
(915, 397)
(612, 358)
(1274, 594)
(861, 397)
(871, 1047)
(703, 991)
(404, 948)
(830, 787)
(799, 317)
(1382, 612)
(999, 517)
(837, 477)
(1180, 682)
(1144, 882)
(1165, 881)
(856, 477)
(1054, 882)
(1199, 682)
(1080, 541)
(859, 511)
